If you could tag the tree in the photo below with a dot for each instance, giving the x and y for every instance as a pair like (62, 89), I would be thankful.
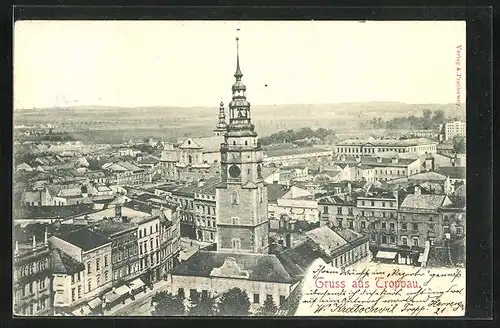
(459, 145)
(169, 305)
(202, 305)
(234, 302)
(268, 308)
(438, 117)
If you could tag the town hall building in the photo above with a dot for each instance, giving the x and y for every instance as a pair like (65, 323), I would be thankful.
(242, 258)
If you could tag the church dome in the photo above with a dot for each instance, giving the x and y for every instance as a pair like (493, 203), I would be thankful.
(239, 86)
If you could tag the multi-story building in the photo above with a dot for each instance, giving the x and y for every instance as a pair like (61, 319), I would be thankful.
(148, 241)
(377, 216)
(32, 278)
(94, 251)
(370, 169)
(339, 210)
(124, 248)
(204, 203)
(453, 129)
(67, 284)
(125, 173)
(170, 235)
(420, 219)
(183, 196)
(453, 221)
(372, 147)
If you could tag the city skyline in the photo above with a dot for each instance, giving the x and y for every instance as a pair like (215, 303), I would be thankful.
(105, 75)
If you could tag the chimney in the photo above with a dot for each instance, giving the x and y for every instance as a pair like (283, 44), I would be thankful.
(379, 159)
(417, 190)
(288, 240)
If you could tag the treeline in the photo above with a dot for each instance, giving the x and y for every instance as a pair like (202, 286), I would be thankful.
(428, 120)
(303, 136)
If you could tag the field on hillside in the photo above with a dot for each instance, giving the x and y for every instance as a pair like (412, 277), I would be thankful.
(116, 124)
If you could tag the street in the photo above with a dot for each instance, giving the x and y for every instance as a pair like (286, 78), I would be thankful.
(142, 305)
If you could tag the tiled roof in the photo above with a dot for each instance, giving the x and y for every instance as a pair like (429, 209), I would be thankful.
(84, 238)
(296, 260)
(51, 212)
(454, 172)
(110, 227)
(261, 267)
(129, 166)
(275, 191)
(387, 142)
(428, 201)
(294, 151)
(64, 264)
(326, 238)
(427, 176)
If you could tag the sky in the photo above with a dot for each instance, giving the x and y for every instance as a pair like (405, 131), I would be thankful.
(191, 63)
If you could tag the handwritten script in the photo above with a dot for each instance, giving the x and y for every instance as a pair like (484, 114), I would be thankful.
(383, 290)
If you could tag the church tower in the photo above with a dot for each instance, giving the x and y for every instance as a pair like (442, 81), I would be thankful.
(221, 127)
(241, 210)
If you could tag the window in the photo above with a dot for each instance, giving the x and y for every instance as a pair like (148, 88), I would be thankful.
(235, 200)
(72, 279)
(236, 243)
(98, 280)
(415, 241)
(325, 210)
(350, 211)
(362, 213)
(89, 285)
(384, 239)
(431, 227)
(384, 225)
(192, 293)
(150, 230)
(180, 292)
(140, 234)
(339, 222)
(404, 240)
(89, 270)
(373, 213)
(391, 226)
(383, 204)
(157, 227)
(73, 294)
(415, 227)
(235, 220)
(30, 288)
(363, 203)
(363, 224)
(97, 264)
(339, 210)
(151, 243)
(105, 261)
(403, 226)
(79, 289)
(106, 276)
(373, 225)
(351, 224)
(140, 249)
(256, 298)
(269, 297)
(372, 203)
(282, 299)
(430, 218)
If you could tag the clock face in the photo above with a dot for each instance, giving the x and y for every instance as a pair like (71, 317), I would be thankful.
(234, 171)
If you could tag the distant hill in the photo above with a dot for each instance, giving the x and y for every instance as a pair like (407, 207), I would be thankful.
(172, 122)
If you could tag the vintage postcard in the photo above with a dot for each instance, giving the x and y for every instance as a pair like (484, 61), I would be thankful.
(239, 168)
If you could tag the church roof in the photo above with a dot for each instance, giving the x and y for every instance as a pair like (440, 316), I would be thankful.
(260, 267)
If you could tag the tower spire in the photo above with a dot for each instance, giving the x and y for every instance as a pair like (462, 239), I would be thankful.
(238, 75)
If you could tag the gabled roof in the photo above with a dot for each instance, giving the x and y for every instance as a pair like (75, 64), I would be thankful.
(454, 172)
(427, 201)
(84, 238)
(190, 144)
(62, 263)
(261, 267)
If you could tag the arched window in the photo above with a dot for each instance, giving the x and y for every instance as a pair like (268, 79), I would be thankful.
(235, 198)
(234, 142)
(236, 244)
(90, 285)
(246, 143)
(235, 220)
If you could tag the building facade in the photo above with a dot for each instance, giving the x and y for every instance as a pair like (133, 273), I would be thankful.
(241, 198)
(454, 129)
(372, 146)
(32, 279)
